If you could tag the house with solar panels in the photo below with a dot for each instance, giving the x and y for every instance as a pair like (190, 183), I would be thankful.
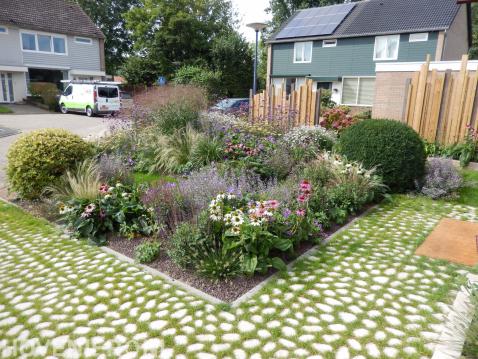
(339, 46)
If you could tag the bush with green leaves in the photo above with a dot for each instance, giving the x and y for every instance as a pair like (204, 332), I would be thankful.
(147, 252)
(39, 158)
(394, 149)
(116, 209)
(201, 77)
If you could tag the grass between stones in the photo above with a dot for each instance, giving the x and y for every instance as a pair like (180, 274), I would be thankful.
(363, 295)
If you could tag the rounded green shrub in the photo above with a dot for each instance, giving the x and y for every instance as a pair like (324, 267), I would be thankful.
(39, 158)
(393, 148)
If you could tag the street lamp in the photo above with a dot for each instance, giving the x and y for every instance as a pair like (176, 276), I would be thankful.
(257, 26)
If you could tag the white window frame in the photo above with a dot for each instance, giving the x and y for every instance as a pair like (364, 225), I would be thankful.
(6, 30)
(52, 47)
(303, 51)
(358, 90)
(78, 40)
(389, 58)
(329, 43)
(418, 37)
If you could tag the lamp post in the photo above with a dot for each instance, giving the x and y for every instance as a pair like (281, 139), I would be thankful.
(257, 26)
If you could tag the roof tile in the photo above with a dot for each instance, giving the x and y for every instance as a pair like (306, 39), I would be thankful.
(57, 16)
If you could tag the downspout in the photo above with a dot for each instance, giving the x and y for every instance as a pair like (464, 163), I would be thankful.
(444, 43)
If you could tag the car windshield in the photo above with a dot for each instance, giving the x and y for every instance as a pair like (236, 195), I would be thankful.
(108, 92)
(227, 103)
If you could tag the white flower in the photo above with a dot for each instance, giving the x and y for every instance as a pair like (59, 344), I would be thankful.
(231, 196)
(235, 230)
(107, 196)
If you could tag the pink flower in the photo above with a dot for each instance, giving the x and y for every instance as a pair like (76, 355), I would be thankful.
(104, 188)
(272, 204)
(300, 212)
(305, 186)
(302, 198)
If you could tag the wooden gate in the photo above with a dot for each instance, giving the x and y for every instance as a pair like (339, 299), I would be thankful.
(274, 106)
(440, 105)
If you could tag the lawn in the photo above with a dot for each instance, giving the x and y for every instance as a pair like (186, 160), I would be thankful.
(365, 293)
(4, 109)
(468, 194)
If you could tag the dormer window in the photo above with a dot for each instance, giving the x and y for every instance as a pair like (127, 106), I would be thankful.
(303, 52)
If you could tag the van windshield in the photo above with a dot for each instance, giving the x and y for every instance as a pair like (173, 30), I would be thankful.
(108, 92)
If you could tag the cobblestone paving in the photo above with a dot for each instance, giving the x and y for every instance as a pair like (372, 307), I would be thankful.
(365, 295)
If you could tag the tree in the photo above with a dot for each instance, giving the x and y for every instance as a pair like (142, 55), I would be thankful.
(283, 9)
(180, 32)
(474, 22)
(108, 15)
(232, 57)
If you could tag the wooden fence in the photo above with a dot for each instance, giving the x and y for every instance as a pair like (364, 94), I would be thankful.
(440, 105)
(276, 107)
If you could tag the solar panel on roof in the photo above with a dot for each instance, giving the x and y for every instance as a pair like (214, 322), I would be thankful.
(316, 21)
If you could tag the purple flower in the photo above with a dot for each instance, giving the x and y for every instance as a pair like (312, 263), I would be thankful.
(286, 212)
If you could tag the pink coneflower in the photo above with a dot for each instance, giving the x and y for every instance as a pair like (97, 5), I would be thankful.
(272, 204)
(104, 188)
(300, 212)
(305, 186)
(302, 198)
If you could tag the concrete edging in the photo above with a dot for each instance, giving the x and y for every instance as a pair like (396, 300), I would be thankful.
(164, 276)
(452, 339)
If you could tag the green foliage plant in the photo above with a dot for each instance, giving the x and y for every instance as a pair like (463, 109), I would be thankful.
(395, 150)
(118, 209)
(38, 159)
(147, 252)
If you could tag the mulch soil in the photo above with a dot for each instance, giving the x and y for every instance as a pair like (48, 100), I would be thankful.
(226, 291)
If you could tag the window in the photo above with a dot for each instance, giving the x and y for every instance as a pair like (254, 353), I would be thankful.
(303, 52)
(83, 40)
(358, 91)
(28, 42)
(59, 45)
(3, 30)
(386, 47)
(418, 37)
(44, 43)
(329, 43)
(108, 92)
(68, 91)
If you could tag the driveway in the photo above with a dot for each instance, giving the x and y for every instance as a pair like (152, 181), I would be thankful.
(27, 118)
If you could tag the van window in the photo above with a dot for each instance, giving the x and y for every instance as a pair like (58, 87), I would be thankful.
(108, 92)
(68, 91)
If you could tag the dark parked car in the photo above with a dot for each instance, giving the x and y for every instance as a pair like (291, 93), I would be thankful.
(229, 105)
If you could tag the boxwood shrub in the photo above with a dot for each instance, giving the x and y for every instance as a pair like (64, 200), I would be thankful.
(396, 150)
(39, 158)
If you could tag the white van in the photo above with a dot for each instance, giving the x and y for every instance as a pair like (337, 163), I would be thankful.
(92, 98)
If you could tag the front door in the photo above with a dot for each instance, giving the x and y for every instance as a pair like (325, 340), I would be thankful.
(6, 87)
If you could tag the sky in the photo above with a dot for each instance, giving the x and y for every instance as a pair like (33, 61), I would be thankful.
(251, 11)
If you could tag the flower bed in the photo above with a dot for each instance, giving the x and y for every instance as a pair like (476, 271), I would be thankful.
(244, 200)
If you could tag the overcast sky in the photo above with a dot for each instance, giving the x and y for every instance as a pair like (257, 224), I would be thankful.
(250, 11)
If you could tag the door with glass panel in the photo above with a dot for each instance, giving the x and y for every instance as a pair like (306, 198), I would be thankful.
(6, 87)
